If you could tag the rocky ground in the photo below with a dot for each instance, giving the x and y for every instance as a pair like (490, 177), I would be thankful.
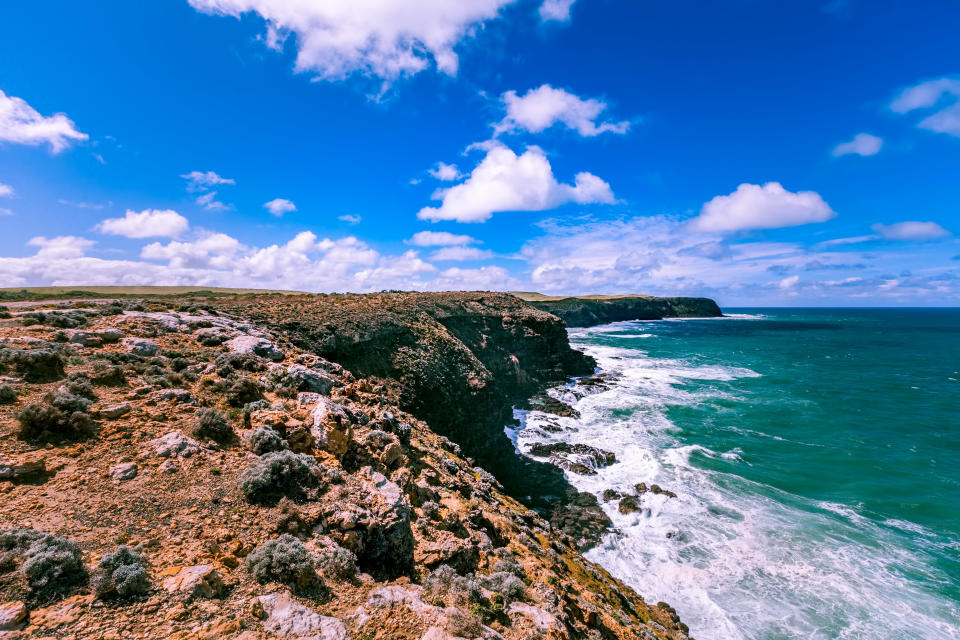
(259, 467)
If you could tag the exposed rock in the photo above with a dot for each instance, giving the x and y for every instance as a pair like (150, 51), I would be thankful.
(26, 468)
(548, 404)
(200, 581)
(83, 338)
(579, 458)
(255, 345)
(541, 618)
(110, 335)
(114, 411)
(176, 395)
(175, 445)
(168, 466)
(590, 311)
(310, 380)
(123, 471)
(287, 618)
(629, 504)
(13, 615)
(62, 613)
(140, 346)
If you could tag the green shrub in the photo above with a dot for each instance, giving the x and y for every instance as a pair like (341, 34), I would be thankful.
(228, 364)
(13, 544)
(337, 563)
(243, 391)
(120, 574)
(59, 416)
(277, 474)
(8, 394)
(265, 440)
(33, 365)
(445, 584)
(212, 424)
(283, 560)
(52, 565)
(105, 373)
(508, 585)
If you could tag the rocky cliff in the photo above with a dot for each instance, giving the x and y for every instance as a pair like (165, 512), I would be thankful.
(261, 467)
(586, 311)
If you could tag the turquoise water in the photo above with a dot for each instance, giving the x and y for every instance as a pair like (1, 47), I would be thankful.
(816, 455)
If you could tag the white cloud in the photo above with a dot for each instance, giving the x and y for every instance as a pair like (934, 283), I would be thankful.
(556, 10)
(438, 239)
(863, 144)
(60, 247)
(541, 108)
(5, 190)
(504, 181)
(910, 230)
(22, 124)
(930, 94)
(460, 253)
(279, 206)
(349, 219)
(768, 207)
(149, 223)
(209, 202)
(387, 39)
(789, 282)
(215, 250)
(83, 205)
(843, 241)
(445, 172)
(203, 180)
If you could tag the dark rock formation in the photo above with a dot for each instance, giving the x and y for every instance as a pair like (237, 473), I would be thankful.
(593, 310)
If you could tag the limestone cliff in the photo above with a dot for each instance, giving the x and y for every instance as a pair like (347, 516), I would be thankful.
(586, 311)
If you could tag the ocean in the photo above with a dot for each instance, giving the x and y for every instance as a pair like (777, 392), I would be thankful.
(815, 454)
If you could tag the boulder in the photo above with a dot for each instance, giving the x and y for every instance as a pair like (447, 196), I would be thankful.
(114, 411)
(256, 346)
(13, 615)
(174, 395)
(629, 504)
(310, 380)
(174, 445)
(140, 346)
(123, 471)
(25, 468)
(110, 336)
(83, 338)
(200, 581)
(287, 618)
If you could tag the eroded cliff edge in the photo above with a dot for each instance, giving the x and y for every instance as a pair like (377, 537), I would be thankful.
(267, 491)
(587, 311)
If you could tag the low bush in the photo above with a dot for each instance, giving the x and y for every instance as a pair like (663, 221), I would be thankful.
(8, 394)
(283, 560)
(506, 561)
(105, 373)
(59, 416)
(227, 364)
(13, 544)
(33, 365)
(505, 583)
(79, 385)
(265, 440)
(277, 474)
(212, 424)
(337, 563)
(59, 319)
(120, 574)
(244, 391)
(52, 566)
(445, 586)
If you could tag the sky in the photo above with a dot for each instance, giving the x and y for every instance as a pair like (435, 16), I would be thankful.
(798, 153)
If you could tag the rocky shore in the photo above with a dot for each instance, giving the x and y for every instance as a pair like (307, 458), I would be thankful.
(292, 467)
(587, 311)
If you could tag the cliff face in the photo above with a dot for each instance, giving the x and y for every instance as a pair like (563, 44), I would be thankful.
(268, 492)
(590, 311)
(459, 361)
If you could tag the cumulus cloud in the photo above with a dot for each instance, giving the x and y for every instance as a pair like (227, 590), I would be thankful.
(279, 206)
(944, 94)
(769, 206)
(438, 239)
(22, 124)
(556, 10)
(504, 181)
(203, 180)
(60, 247)
(789, 282)
(541, 108)
(349, 219)
(5, 190)
(149, 223)
(444, 171)
(215, 250)
(910, 230)
(209, 202)
(387, 39)
(450, 254)
(863, 144)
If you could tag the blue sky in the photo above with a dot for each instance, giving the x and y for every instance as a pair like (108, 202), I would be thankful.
(783, 153)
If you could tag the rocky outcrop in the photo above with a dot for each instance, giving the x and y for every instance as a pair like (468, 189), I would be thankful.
(588, 311)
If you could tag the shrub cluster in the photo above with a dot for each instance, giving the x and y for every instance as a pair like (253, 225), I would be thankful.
(265, 440)
(212, 424)
(78, 384)
(445, 586)
(52, 565)
(59, 416)
(8, 394)
(283, 560)
(337, 563)
(227, 364)
(105, 373)
(33, 365)
(59, 319)
(121, 574)
(505, 583)
(244, 391)
(277, 474)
